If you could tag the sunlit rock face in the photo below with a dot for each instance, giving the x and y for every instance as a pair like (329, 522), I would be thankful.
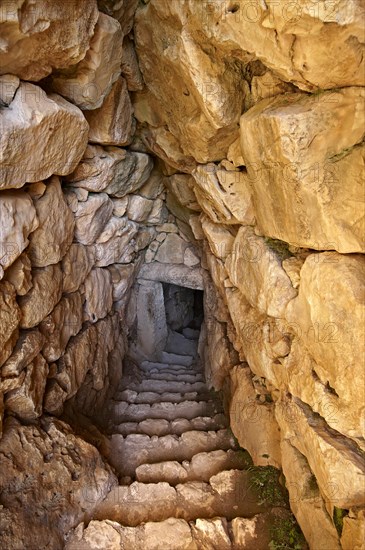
(214, 146)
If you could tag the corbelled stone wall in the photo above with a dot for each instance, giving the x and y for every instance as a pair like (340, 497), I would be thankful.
(214, 145)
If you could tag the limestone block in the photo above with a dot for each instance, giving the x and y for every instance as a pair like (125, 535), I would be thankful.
(122, 11)
(327, 318)
(41, 135)
(115, 243)
(173, 274)
(151, 319)
(268, 85)
(76, 265)
(28, 346)
(120, 206)
(18, 219)
(305, 171)
(158, 213)
(130, 67)
(8, 347)
(220, 238)
(54, 468)
(154, 186)
(87, 84)
(98, 534)
(256, 270)
(171, 250)
(253, 420)
(335, 460)
(306, 501)
(43, 296)
(122, 280)
(225, 196)
(190, 258)
(40, 37)
(112, 123)
(64, 321)
(98, 294)
(234, 154)
(9, 84)
(209, 532)
(26, 402)
(353, 532)
(9, 312)
(139, 208)
(112, 170)
(182, 187)
(19, 274)
(91, 217)
(51, 240)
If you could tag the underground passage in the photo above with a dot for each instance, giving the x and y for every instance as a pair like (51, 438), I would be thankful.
(182, 275)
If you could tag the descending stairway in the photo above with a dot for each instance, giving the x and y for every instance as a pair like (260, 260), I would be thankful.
(184, 482)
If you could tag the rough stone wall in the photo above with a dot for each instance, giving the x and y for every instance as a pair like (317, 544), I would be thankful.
(255, 110)
(261, 106)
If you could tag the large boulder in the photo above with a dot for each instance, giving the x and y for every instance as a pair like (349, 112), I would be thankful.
(40, 135)
(41, 36)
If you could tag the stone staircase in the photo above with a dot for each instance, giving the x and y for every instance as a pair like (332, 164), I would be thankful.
(184, 482)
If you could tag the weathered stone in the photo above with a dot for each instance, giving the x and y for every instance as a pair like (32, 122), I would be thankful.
(43, 296)
(9, 84)
(51, 240)
(87, 84)
(112, 123)
(44, 36)
(130, 68)
(306, 171)
(91, 217)
(252, 421)
(18, 220)
(26, 155)
(43, 464)
(122, 279)
(139, 208)
(220, 238)
(190, 258)
(26, 402)
(340, 476)
(292, 267)
(225, 196)
(113, 170)
(353, 531)
(171, 250)
(9, 312)
(28, 346)
(120, 206)
(256, 270)
(64, 321)
(98, 294)
(327, 317)
(173, 274)
(76, 265)
(122, 11)
(115, 244)
(98, 534)
(306, 501)
(158, 213)
(19, 274)
(211, 532)
(182, 187)
(151, 319)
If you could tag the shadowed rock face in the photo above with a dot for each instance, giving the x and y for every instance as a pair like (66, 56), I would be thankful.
(150, 151)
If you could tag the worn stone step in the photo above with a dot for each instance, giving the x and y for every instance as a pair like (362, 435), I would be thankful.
(200, 468)
(228, 494)
(153, 397)
(217, 533)
(122, 411)
(176, 359)
(177, 427)
(149, 365)
(160, 386)
(168, 370)
(177, 343)
(127, 453)
(177, 377)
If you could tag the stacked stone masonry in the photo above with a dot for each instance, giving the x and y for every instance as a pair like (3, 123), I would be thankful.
(215, 145)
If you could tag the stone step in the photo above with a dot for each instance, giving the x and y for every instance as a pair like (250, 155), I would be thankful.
(148, 365)
(201, 467)
(177, 377)
(127, 453)
(177, 427)
(228, 494)
(176, 359)
(191, 333)
(160, 386)
(153, 397)
(122, 411)
(177, 343)
(253, 533)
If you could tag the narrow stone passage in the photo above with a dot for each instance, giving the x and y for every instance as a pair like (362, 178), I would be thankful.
(184, 482)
